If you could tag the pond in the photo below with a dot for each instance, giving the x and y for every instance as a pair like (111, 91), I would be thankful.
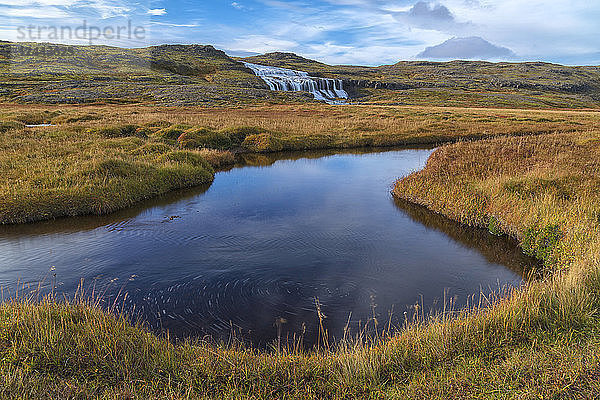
(256, 250)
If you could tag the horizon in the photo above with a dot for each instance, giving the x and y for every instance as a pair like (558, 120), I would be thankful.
(335, 32)
(233, 56)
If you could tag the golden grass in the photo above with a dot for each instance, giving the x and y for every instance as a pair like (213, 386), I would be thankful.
(347, 125)
(410, 123)
(91, 161)
(541, 341)
(545, 191)
(68, 171)
(527, 187)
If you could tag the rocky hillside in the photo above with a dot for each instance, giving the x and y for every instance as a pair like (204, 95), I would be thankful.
(203, 75)
(173, 75)
(480, 83)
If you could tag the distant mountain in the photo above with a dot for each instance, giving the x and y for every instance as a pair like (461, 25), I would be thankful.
(285, 60)
(467, 48)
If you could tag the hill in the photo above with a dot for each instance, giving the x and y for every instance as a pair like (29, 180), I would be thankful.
(532, 84)
(288, 60)
(168, 74)
(203, 75)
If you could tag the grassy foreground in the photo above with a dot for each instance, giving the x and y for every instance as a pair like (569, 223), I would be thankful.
(97, 159)
(544, 191)
(542, 341)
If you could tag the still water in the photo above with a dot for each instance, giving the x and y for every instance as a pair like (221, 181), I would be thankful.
(263, 242)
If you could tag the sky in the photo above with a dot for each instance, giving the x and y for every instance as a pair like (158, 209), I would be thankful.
(359, 32)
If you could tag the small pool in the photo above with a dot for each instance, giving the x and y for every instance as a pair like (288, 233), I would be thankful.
(266, 241)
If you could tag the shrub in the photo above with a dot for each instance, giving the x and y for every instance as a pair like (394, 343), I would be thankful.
(203, 138)
(264, 142)
(9, 126)
(239, 134)
(540, 242)
(494, 226)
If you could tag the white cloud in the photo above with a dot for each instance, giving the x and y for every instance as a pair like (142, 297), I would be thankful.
(157, 11)
(46, 12)
(174, 25)
(346, 31)
(107, 8)
(38, 3)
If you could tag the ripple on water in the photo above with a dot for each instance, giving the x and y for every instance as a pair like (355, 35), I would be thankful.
(261, 245)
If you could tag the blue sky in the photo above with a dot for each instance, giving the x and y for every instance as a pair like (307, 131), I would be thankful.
(366, 32)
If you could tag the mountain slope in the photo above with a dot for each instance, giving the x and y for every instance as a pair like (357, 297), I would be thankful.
(458, 83)
(168, 74)
(203, 75)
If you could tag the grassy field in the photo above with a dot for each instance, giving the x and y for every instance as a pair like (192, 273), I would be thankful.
(534, 175)
(98, 159)
(49, 173)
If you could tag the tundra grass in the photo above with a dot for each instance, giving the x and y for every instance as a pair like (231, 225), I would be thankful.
(98, 159)
(50, 173)
(545, 192)
(540, 341)
(536, 344)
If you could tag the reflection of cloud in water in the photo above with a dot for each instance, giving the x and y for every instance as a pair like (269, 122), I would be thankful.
(263, 243)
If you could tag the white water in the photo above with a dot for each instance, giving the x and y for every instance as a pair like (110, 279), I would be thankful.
(289, 80)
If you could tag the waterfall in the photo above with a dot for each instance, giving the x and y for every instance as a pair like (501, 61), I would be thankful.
(289, 80)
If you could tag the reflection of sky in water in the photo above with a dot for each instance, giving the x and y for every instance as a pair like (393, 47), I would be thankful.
(262, 243)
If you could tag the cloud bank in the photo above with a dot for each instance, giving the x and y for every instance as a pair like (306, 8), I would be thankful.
(430, 16)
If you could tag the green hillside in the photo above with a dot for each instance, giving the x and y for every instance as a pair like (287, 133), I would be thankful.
(460, 83)
(33, 61)
(171, 75)
(203, 75)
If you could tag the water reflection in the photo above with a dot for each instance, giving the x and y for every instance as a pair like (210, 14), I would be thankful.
(91, 222)
(502, 250)
(263, 242)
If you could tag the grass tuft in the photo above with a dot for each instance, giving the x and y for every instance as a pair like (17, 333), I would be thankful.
(118, 131)
(203, 138)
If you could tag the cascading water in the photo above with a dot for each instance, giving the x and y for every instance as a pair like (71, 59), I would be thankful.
(289, 80)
